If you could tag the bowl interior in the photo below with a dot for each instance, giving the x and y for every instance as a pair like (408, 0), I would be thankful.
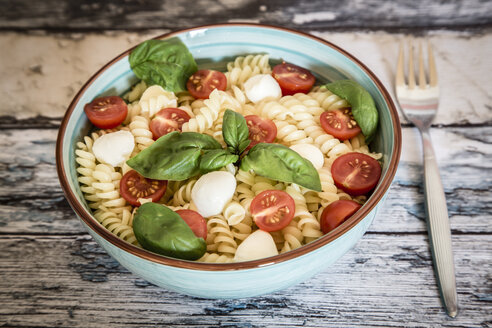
(213, 47)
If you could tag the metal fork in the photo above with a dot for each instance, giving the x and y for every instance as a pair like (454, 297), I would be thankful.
(419, 103)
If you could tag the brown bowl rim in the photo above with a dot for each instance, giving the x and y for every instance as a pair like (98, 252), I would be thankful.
(156, 258)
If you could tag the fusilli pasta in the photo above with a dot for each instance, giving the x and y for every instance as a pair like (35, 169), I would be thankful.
(297, 119)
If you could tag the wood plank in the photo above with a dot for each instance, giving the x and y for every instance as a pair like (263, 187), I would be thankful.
(27, 102)
(154, 14)
(32, 200)
(384, 281)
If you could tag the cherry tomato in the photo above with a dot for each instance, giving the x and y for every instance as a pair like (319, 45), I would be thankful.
(204, 81)
(168, 120)
(134, 186)
(272, 210)
(336, 213)
(293, 79)
(356, 173)
(106, 112)
(196, 222)
(340, 123)
(260, 130)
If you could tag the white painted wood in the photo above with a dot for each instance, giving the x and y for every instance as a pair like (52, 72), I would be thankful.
(53, 273)
(44, 81)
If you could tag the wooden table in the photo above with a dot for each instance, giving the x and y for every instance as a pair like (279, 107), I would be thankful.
(54, 274)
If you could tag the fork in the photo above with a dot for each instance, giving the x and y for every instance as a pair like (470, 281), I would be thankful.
(419, 103)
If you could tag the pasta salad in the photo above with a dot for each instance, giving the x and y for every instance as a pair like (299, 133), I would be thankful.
(227, 166)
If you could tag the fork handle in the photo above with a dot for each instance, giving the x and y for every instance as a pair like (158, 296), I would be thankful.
(439, 228)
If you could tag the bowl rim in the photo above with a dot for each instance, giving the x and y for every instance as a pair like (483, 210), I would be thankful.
(96, 227)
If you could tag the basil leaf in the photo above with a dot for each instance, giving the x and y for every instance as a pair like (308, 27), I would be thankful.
(167, 63)
(174, 156)
(281, 163)
(363, 106)
(213, 160)
(235, 131)
(243, 145)
(161, 230)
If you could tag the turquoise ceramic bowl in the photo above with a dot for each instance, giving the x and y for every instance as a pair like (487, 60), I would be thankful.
(212, 46)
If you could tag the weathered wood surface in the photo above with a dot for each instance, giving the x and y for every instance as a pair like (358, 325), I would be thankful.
(386, 280)
(33, 202)
(317, 14)
(54, 274)
(39, 83)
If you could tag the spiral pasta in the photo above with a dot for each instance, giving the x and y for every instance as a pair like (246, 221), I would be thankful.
(328, 144)
(139, 127)
(107, 187)
(311, 105)
(292, 236)
(297, 118)
(234, 212)
(245, 180)
(289, 134)
(182, 196)
(154, 98)
(87, 163)
(272, 110)
(134, 109)
(216, 258)
(329, 192)
(220, 237)
(243, 68)
(121, 225)
(218, 101)
(242, 229)
(326, 99)
(306, 221)
(136, 92)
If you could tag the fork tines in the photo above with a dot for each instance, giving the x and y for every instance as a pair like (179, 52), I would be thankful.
(422, 83)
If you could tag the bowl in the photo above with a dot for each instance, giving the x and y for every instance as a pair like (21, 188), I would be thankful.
(211, 45)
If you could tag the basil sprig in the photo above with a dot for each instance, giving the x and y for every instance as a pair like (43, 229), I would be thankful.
(167, 63)
(213, 160)
(235, 132)
(179, 156)
(363, 107)
(161, 230)
(281, 163)
(273, 161)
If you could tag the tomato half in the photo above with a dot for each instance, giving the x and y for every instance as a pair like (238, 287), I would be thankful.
(168, 120)
(356, 173)
(272, 210)
(260, 130)
(106, 112)
(204, 81)
(134, 186)
(340, 123)
(293, 79)
(196, 222)
(336, 213)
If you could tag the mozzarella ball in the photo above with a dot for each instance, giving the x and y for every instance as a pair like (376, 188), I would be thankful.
(114, 148)
(256, 246)
(311, 153)
(212, 192)
(262, 86)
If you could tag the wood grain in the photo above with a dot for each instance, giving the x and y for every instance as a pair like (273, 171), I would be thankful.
(38, 87)
(54, 274)
(32, 200)
(318, 14)
(390, 276)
